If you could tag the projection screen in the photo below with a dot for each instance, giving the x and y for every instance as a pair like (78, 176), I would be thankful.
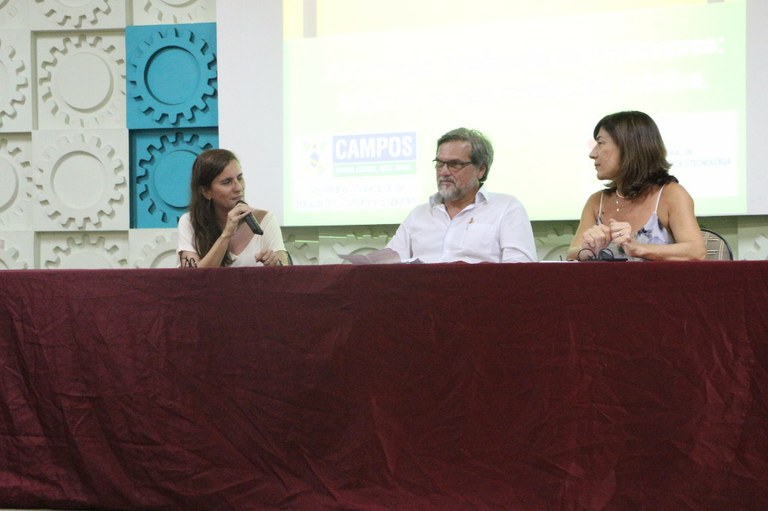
(334, 106)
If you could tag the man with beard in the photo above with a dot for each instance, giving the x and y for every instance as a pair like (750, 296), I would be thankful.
(463, 221)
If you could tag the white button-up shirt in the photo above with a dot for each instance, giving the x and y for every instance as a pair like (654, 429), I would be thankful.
(495, 228)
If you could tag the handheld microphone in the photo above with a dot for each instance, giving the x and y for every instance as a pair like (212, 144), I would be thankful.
(251, 221)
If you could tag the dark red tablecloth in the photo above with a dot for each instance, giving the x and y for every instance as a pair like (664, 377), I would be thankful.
(592, 386)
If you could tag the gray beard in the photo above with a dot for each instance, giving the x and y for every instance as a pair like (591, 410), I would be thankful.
(448, 193)
(454, 192)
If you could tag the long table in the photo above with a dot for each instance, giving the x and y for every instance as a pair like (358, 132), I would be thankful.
(550, 386)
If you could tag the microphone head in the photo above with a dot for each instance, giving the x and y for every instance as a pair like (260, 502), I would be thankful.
(251, 221)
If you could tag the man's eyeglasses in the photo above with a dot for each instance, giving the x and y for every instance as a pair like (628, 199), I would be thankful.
(452, 165)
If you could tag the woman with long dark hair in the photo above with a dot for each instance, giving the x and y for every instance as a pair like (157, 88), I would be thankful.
(215, 231)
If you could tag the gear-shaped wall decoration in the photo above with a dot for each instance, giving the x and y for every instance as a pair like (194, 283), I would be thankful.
(553, 245)
(9, 258)
(303, 245)
(14, 88)
(172, 77)
(68, 14)
(79, 180)
(355, 243)
(173, 11)
(10, 13)
(16, 189)
(163, 166)
(758, 249)
(82, 82)
(83, 252)
(160, 252)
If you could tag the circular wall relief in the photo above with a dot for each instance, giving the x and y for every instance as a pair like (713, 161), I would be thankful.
(79, 181)
(9, 9)
(83, 82)
(171, 173)
(176, 3)
(176, 11)
(10, 189)
(173, 92)
(159, 253)
(162, 179)
(73, 13)
(9, 259)
(172, 76)
(13, 84)
(165, 259)
(84, 95)
(86, 259)
(16, 183)
(759, 249)
(84, 252)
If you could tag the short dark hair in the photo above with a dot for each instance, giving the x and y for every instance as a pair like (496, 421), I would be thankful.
(643, 154)
(482, 149)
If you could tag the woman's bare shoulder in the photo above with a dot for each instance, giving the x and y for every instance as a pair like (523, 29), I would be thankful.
(675, 191)
(594, 199)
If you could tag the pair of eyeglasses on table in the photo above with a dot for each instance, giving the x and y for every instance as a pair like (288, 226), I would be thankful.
(605, 254)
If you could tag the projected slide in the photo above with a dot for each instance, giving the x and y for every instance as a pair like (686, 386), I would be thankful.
(366, 95)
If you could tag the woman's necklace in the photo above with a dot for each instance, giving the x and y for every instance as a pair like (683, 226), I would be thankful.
(619, 196)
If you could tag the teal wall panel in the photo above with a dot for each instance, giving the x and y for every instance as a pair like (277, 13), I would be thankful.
(161, 166)
(171, 76)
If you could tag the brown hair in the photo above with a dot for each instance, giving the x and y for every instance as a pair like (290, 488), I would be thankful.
(206, 167)
(643, 154)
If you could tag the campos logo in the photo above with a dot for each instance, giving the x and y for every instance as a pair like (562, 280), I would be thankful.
(371, 148)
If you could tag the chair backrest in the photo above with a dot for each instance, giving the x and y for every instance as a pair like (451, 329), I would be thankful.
(717, 247)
